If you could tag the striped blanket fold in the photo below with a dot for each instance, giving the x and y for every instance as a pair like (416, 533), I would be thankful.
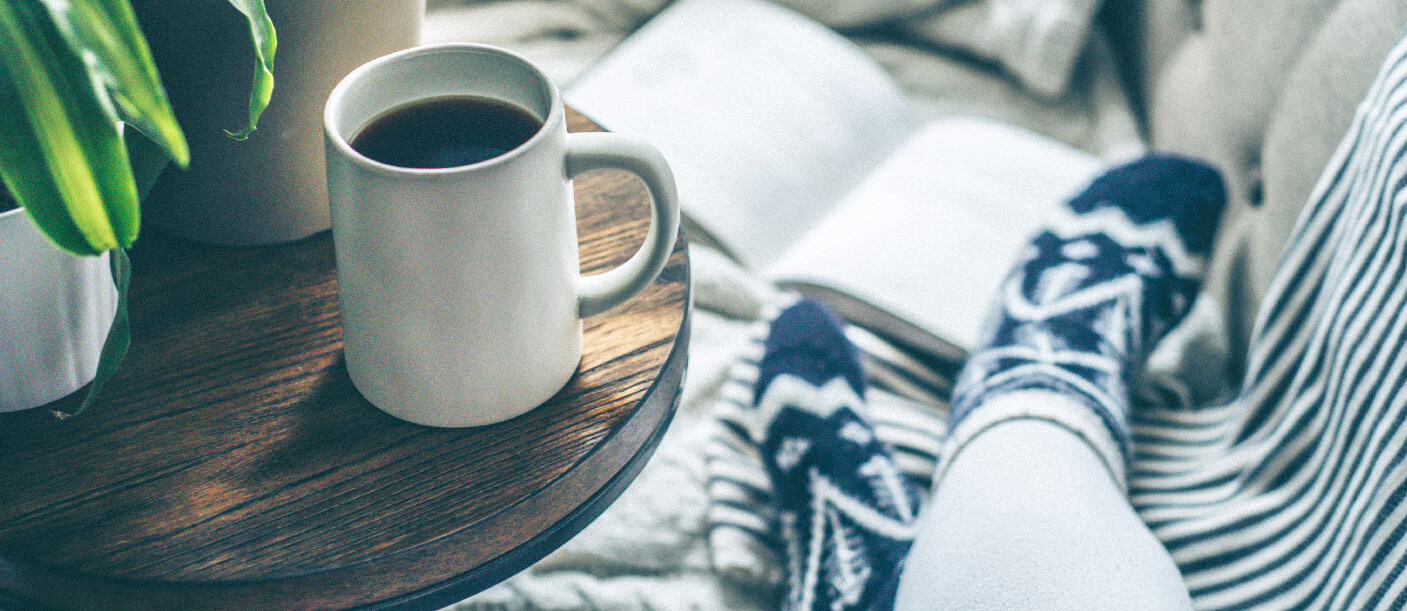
(1290, 495)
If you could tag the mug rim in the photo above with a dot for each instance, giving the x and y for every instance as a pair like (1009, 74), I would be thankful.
(333, 107)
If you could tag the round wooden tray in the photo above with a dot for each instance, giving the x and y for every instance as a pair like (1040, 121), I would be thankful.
(232, 465)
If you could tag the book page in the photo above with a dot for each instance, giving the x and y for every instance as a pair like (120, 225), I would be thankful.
(766, 117)
(934, 231)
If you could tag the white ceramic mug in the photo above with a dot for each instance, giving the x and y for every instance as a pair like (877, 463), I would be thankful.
(460, 288)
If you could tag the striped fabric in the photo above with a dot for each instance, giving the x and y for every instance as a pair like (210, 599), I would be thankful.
(1291, 496)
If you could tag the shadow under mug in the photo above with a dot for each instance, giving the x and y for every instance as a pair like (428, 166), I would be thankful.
(460, 287)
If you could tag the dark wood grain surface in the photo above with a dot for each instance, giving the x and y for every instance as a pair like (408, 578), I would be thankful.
(232, 465)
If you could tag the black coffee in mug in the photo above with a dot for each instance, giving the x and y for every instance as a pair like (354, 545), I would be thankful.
(445, 132)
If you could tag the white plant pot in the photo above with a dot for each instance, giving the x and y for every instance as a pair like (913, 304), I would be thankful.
(55, 310)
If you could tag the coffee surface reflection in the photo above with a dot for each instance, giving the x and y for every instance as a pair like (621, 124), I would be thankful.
(445, 132)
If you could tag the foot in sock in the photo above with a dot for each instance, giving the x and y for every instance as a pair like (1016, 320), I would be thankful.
(845, 511)
(1094, 294)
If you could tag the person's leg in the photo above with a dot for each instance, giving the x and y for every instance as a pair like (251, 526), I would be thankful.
(1027, 517)
(1029, 509)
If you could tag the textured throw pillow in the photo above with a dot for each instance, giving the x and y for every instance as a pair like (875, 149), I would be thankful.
(1036, 41)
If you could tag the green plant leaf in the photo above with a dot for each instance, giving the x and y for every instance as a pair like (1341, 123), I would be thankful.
(265, 43)
(105, 35)
(119, 336)
(147, 158)
(61, 154)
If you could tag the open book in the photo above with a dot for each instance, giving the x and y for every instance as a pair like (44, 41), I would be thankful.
(794, 152)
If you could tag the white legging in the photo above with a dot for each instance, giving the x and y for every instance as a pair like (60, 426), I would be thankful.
(1027, 517)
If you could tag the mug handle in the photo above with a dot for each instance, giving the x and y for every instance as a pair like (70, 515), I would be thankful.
(599, 151)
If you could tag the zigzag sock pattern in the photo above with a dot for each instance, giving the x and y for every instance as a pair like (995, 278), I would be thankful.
(1093, 295)
(845, 510)
(745, 545)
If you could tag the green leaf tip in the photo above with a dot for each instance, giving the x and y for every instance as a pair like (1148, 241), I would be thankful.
(119, 336)
(261, 30)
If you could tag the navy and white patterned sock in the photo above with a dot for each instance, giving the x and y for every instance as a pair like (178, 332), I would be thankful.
(904, 402)
(1095, 292)
(845, 510)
